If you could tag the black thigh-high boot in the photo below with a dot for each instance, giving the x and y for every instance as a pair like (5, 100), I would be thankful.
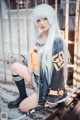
(20, 83)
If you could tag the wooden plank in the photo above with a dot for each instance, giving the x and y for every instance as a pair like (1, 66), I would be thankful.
(35, 2)
(2, 32)
(68, 102)
(46, 1)
(27, 25)
(10, 27)
(18, 25)
(43, 1)
(10, 30)
(7, 82)
(76, 48)
(79, 22)
(56, 5)
(75, 113)
(72, 112)
(67, 21)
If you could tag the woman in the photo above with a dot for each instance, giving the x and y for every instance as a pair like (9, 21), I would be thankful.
(47, 69)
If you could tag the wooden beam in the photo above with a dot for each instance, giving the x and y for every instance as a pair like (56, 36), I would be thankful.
(56, 5)
(35, 2)
(77, 21)
(46, 1)
(67, 21)
(18, 25)
(2, 33)
(27, 24)
(7, 82)
(76, 47)
(10, 27)
(76, 111)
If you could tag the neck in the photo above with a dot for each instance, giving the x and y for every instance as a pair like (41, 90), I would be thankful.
(44, 36)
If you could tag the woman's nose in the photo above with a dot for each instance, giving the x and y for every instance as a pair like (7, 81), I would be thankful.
(41, 21)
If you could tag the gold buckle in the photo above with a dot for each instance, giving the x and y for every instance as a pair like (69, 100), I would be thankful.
(55, 92)
(61, 92)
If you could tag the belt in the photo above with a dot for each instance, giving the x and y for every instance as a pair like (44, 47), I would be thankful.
(56, 92)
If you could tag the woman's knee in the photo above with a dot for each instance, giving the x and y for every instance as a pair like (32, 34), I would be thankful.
(21, 107)
(14, 67)
(29, 103)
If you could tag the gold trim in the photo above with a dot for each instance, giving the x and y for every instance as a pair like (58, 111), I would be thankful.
(55, 92)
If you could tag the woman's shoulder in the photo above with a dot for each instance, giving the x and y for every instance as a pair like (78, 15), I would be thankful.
(58, 40)
(58, 45)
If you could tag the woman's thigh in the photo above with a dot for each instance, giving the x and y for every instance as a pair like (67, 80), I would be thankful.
(23, 71)
(29, 102)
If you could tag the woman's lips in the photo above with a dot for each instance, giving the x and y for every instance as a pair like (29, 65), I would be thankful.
(43, 27)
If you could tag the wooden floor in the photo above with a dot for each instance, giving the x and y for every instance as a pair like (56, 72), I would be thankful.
(8, 93)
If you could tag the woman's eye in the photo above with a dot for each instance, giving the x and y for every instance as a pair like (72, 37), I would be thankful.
(38, 20)
(45, 18)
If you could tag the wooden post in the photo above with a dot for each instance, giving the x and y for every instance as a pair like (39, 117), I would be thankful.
(10, 30)
(46, 1)
(78, 58)
(79, 21)
(76, 47)
(43, 1)
(35, 2)
(67, 22)
(56, 5)
(2, 32)
(66, 25)
(18, 28)
(27, 28)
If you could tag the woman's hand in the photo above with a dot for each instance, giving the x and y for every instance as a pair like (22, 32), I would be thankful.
(50, 105)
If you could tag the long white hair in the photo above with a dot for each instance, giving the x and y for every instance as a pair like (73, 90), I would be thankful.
(42, 11)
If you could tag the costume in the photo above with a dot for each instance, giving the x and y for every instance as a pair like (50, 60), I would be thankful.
(56, 89)
(48, 60)
(54, 56)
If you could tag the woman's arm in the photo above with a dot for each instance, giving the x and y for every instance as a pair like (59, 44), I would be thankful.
(57, 89)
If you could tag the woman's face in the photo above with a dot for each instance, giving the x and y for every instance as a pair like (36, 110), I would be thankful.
(43, 24)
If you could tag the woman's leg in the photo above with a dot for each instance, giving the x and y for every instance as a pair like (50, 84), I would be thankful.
(29, 102)
(23, 71)
(19, 73)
